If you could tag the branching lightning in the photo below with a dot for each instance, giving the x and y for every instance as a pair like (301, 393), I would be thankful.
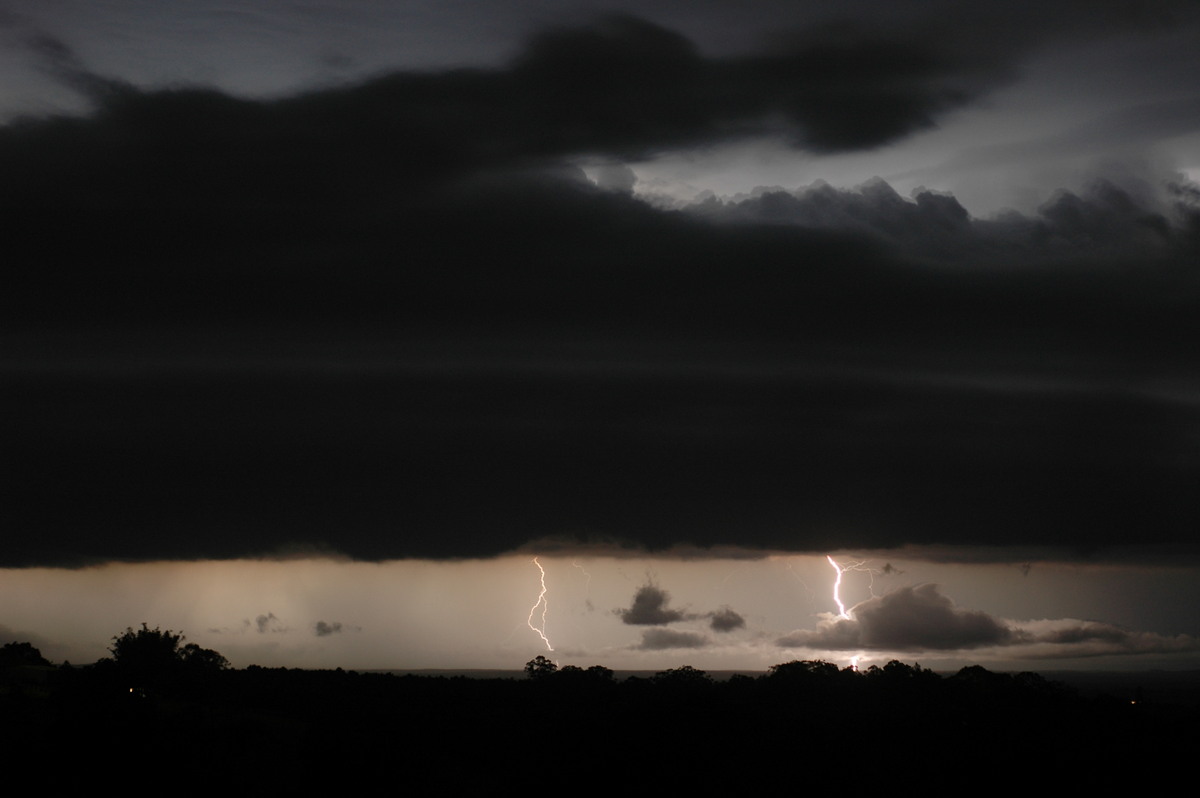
(588, 584)
(788, 564)
(587, 587)
(544, 604)
(853, 565)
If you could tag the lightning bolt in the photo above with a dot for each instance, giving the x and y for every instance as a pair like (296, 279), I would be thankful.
(854, 565)
(545, 605)
(588, 585)
(837, 588)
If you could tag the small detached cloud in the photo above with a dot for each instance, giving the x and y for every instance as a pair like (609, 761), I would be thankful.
(269, 623)
(325, 629)
(726, 620)
(650, 608)
(659, 639)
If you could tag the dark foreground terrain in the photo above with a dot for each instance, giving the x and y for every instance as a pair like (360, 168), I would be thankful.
(803, 725)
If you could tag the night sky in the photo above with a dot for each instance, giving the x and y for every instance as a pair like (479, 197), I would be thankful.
(320, 321)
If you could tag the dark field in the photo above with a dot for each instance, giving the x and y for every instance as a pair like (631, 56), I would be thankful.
(272, 731)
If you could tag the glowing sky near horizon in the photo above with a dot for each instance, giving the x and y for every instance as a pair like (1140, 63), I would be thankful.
(413, 614)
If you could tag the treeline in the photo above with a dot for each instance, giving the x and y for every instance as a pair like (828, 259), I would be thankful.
(277, 729)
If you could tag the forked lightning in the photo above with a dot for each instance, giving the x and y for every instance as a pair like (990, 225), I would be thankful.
(545, 605)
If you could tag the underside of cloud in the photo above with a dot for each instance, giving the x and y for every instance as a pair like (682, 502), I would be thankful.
(1106, 219)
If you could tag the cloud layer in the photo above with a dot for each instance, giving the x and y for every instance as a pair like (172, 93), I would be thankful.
(395, 319)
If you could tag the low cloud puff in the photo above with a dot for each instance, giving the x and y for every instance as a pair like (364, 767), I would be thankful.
(650, 608)
(726, 620)
(265, 623)
(269, 623)
(325, 629)
(659, 639)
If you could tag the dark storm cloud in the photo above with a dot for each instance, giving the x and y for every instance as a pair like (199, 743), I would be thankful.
(622, 86)
(582, 365)
(626, 84)
(55, 58)
(649, 608)
(389, 320)
(660, 639)
(917, 618)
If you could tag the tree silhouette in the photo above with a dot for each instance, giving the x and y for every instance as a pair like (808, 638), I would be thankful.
(539, 667)
(685, 677)
(803, 671)
(147, 652)
(896, 672)
(152, 656)
(201, 660)
(14, 655)
(600, 673)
